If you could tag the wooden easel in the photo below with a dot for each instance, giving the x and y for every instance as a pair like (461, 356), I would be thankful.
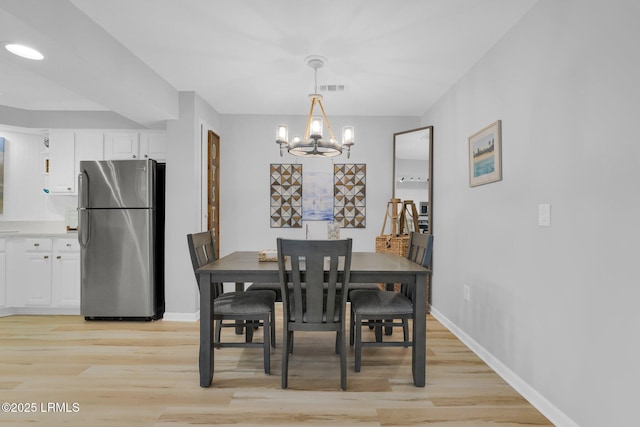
(408, 209)
(393, 206)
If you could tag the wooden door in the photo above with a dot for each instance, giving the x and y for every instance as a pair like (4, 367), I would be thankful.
(213, 187)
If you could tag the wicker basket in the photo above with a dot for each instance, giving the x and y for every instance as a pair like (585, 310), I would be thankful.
(393, 245)
(389, 244)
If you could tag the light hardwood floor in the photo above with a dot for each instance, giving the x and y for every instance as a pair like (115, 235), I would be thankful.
(96, 374)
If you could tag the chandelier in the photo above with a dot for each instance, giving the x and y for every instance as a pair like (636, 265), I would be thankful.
(313, 144)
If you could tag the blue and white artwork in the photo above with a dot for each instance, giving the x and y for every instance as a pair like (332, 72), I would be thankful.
(317, 196)
(484, 159)
(485, 163)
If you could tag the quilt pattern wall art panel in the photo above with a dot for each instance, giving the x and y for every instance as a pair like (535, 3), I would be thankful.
(350, 195)
(286, 196)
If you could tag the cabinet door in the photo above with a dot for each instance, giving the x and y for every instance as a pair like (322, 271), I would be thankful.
(121, 145)
(153, 145)
(37, 274)
(66, 273)
(89, 146)
(62, 175)
(66, 279)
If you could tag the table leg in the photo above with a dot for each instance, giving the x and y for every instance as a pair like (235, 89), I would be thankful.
(388, 330)
(419, 359)
(206, 331)
(239, 288)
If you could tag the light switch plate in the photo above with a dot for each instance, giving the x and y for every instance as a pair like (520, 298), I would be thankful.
(544, 215)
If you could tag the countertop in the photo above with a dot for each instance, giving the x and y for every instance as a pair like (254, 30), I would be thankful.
(35, 229)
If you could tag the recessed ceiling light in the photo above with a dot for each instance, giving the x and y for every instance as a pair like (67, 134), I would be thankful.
(24, 51)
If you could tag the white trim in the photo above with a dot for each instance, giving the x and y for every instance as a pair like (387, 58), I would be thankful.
(548, 409)
(182, 317)
(40, 311)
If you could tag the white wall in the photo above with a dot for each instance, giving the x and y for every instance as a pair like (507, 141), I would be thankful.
(556, 306)
(183, 203)
(248, 148)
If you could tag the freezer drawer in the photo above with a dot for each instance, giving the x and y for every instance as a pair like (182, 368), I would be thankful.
(117, 263)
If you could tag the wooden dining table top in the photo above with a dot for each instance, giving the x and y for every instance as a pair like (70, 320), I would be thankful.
(365, 267)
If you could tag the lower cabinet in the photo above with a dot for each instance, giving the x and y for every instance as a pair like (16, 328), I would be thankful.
(66, 273)
(43, 274)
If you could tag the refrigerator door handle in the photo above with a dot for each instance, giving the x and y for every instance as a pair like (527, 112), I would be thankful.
(83, 189)
(83, 229)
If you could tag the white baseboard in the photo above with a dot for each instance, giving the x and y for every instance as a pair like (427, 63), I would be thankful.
(181, 317)
(548, 409)
(39, 311)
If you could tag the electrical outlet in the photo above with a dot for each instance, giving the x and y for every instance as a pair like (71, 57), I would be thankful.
(466, 289)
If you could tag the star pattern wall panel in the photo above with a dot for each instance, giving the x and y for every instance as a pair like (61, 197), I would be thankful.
(350, 195)
(286, 196)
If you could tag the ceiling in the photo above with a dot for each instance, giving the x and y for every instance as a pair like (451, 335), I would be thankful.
(244, 56)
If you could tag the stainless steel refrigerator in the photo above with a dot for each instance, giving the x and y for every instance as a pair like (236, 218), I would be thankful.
(121, 234)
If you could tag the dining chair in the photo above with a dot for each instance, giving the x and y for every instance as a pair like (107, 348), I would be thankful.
(250, 309)
(386, 308)
(314, 279)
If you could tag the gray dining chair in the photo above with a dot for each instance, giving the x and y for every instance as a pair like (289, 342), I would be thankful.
(387, 308)
(314, 279)
(250, 309)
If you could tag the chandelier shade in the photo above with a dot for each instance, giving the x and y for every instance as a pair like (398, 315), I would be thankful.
(313, 143)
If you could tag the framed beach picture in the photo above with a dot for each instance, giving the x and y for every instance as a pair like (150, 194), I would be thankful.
(485, 163)
(317, 196)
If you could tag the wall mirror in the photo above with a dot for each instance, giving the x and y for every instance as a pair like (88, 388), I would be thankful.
(413, 172)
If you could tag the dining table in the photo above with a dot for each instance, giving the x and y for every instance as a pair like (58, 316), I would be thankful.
(241, 267)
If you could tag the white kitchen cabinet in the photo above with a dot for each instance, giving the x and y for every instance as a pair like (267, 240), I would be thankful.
(62, 172)
(43, 275)
(66, 273)
(153, 145)
(3, 275)
(36, 267)
(89, 146)
(121, 145)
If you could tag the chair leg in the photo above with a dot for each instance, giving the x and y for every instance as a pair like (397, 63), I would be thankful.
(218, 329)
(343, 359)
(378, 330)
(405, 331)
(358, 352)
(273, 327)
(266, 343)
(352, 323)
(249, 327)
(286, 336)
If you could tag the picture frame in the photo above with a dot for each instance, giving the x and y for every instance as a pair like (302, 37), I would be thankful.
(485, 155)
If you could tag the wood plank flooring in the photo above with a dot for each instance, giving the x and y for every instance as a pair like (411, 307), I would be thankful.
(75, 373)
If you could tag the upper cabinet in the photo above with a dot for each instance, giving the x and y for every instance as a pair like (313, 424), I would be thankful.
(122, 145)
(153, 145)
(89, 146)
(67, 148)
(62, 159)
